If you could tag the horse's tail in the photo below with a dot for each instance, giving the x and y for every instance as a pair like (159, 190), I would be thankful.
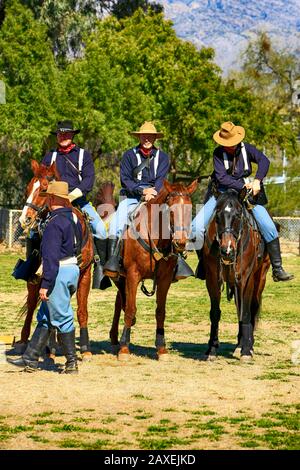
(32, 299)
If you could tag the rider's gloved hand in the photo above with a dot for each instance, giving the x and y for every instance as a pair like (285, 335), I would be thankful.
(149, 193)
(256, 187)
(75, 194)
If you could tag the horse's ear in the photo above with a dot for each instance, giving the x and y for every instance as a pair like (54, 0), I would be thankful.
(53, 169)
(242, 194)
(168, 186)
(35, 166)
(192, 187)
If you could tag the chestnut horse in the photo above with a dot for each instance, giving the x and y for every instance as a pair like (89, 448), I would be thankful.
(150, 251)
(234, 252)
(33, 213)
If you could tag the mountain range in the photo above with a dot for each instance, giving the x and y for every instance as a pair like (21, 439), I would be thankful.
(228, 25)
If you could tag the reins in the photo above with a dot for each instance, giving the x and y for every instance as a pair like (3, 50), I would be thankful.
(151, 247)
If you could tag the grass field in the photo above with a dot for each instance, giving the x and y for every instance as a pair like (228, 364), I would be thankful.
(185, 403)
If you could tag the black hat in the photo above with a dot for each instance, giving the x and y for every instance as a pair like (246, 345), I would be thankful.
(65, 126)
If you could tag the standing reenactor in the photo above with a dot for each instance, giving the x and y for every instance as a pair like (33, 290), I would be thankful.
(60, 247)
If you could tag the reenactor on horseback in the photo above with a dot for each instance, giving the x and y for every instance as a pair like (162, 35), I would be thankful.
(142, 172)
(60, 249)
(232, 167)
(76, 167)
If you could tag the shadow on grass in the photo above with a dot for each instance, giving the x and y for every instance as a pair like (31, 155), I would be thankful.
(105, 347)
(197, 350)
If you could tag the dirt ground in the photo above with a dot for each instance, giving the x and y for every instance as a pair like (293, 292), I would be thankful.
(183, 403)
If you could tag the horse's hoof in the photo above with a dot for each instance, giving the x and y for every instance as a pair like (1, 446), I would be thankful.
(115, 348)
(210, 357)
(86, 356)
(237, 352)
(211, 354)
(162, 354)
(124, 354)
(246, 358)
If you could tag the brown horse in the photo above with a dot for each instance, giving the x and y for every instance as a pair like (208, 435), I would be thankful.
(150, 251)
(234, 252)
(34, 212)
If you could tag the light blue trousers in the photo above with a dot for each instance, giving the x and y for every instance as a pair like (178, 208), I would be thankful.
(57, 311)
(201, 221)
(96, 222)
(120, 217)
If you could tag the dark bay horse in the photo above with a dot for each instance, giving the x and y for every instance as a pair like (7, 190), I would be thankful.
(234, 253)
(151, 252)
(34, 212)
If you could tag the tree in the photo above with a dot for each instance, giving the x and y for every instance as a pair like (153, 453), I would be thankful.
(124, 8)
(67, 22)
(33, 84)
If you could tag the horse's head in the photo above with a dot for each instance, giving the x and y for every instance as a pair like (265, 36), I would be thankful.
(229, 217)
(178, 198)
(35, 203)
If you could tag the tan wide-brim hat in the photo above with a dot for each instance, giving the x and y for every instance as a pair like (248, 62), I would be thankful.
(229, 134)
(147, 128)
(57, 188)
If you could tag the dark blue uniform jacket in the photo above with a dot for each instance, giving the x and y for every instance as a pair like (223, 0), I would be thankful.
(57, 243)
(236, 180)
(131, 186)
(69, 174)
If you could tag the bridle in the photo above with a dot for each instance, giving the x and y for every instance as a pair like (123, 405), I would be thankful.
(237, 234)
(39, 209)
(175, 228)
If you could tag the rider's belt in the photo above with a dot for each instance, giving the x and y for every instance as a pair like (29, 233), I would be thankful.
(68, 261)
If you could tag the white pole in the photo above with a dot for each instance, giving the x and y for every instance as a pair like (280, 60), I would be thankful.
(10, 219)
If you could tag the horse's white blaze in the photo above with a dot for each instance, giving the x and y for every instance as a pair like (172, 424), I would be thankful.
(227, 209)
(228, 247)
(22, 218)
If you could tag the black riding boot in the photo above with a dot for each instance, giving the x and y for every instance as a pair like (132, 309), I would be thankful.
(182, 269)
(30, 358)
(67, 341)
(279, 273)
(200, 271)
(112, 267)
(99, 280)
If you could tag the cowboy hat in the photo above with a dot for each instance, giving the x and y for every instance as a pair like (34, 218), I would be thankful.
(57, 188)
(65, 126)
(147, 128)
(229, 134)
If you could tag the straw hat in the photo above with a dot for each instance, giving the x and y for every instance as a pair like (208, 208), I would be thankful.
(147, 128)
(229, 134)
(58, 188)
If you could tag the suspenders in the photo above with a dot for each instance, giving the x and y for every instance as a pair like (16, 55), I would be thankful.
(80, 162)
(244, 154)
(139, 162)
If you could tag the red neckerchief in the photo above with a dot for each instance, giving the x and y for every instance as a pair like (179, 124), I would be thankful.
(66, 149)
(146, 152)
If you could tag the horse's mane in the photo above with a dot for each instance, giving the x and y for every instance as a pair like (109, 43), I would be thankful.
(163, 193)
(229, 194)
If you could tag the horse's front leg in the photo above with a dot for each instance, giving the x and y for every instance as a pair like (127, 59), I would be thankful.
(213, 287)
(119, 305)
(28, 309)
(132, 282)
(163, 286)
(83, 290)
(245, 298)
